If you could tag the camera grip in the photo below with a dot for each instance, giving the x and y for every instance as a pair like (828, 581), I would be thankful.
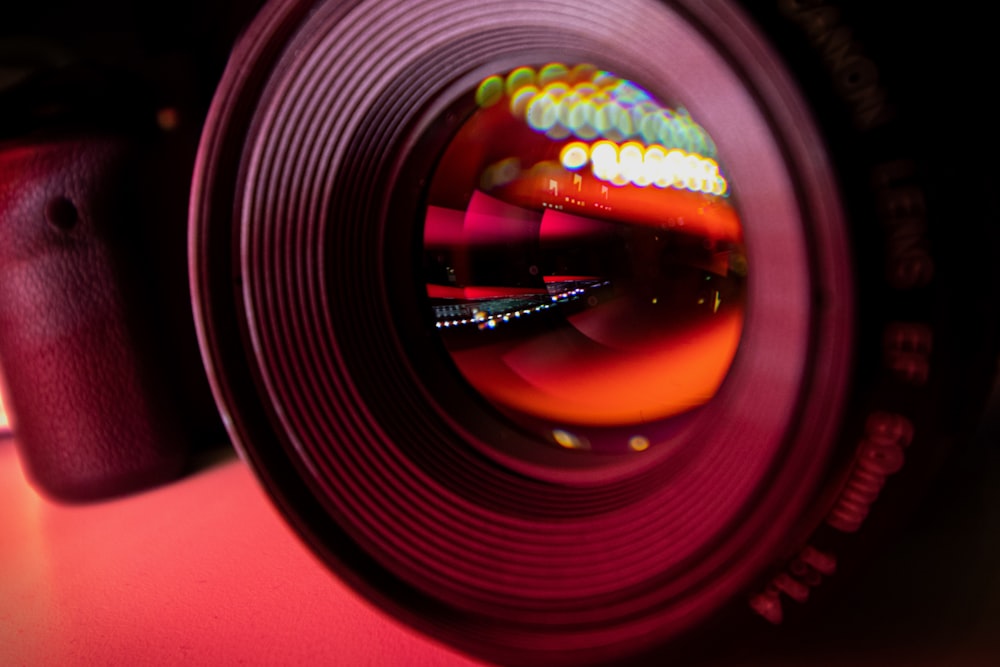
(89, 400)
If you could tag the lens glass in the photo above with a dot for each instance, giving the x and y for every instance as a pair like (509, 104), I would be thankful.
(584, 259)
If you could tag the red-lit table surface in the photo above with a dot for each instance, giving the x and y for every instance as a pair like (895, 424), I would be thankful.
(205, 572)
(202, 571)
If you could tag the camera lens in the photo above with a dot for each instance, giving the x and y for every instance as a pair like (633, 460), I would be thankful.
(584, 259)
(539, 336)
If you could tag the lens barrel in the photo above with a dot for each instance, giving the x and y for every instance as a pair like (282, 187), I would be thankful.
(489, 493)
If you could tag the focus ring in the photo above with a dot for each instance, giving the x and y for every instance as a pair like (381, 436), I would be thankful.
(513, 562)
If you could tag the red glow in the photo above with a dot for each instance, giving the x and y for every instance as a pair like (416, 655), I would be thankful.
(683, 211)
(203, 571)
(564, 279)
(475, 293)
(486, 221)
(480, 292)
(557, 225)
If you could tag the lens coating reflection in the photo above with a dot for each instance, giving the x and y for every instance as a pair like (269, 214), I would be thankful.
(583, 258)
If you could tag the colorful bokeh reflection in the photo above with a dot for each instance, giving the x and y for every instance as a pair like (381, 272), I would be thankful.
(584, 259)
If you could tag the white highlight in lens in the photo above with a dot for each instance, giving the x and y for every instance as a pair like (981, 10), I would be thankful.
(646, 165)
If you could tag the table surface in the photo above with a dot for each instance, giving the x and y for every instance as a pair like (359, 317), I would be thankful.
(202, 571)
(205, 571)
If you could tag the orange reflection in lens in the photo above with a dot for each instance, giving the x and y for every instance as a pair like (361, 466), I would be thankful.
(568, 376)
(693, 213)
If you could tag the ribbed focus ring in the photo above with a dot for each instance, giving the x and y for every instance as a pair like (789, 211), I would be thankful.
(312, 164)
(633, 556)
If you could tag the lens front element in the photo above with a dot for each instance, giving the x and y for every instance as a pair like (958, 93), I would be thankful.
(583, 257)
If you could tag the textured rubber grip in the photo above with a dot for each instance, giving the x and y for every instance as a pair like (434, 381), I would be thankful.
(89, 396)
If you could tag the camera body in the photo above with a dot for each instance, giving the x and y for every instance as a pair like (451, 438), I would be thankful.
(106, 385)
(94, 405)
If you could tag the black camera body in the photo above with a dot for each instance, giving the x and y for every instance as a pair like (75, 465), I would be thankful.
(101, 113)
(866, 349)
(83, 324)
